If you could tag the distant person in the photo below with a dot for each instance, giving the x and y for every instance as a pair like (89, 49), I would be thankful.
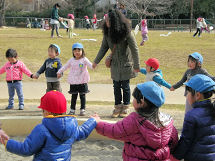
(51, 67)
(144, 31)
(52, 140)
(204, 26)
(117, 37)
(94, 22)
(197, 141)
(70, 24)
(194, 62)
(14, 69)
(199, 25)
(36, 23)
(78, 77)
(153, 73)
(28, 23)
(87, 21)
(122, 9)
(55, 20)
(147, 133)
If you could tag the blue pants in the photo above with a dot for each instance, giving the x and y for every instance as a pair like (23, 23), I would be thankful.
(11, 90)
(125, 86)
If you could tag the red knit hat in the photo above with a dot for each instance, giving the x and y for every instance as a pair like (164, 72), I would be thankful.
(153, 62)
(53, 101)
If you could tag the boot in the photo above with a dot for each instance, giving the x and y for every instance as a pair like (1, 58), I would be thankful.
(125, 111)
(117, 110)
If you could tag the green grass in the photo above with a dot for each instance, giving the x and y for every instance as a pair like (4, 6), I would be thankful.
(172, 51)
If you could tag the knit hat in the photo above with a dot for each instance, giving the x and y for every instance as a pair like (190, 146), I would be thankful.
(152, 92)
(153, 62)
(53, 101)
(201, 83)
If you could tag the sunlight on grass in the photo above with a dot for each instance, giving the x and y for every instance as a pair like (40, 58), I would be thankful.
(172, 51)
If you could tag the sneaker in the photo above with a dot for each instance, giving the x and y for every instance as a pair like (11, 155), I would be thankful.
(117, 111)
(21, 107)
(72, 112)
(60, 36)
(125, 111)
(9, 108)
(82, 112)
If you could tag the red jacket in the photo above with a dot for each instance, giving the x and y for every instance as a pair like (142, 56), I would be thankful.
(142, 139)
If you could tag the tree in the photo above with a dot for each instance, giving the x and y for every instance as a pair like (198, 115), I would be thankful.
(2, 12)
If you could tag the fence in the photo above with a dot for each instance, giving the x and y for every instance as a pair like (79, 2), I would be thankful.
(156, 24)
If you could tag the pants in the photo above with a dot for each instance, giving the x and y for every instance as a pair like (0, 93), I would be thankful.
(54, 26)
(125, 86)
(70, 32)
(198, 30)
(53, 86)
(74, 99)
(11, 90)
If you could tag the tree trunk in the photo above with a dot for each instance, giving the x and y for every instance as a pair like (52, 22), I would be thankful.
(2, 12)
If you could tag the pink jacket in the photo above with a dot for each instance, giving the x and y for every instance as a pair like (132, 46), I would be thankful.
(14, 71)
(142, 139)
(78, 70)
(144, 29)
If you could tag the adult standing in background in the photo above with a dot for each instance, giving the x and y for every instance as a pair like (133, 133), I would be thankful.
(55, 20)
(125, 58)
(122, 9)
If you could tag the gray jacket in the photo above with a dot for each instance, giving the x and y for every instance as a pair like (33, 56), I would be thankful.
(125, 57)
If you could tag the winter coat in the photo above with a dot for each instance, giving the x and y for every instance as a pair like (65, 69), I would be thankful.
(142, 139)
(197, 142)
(54, 14)
(52, 140)
(125, 57)
(14, 71)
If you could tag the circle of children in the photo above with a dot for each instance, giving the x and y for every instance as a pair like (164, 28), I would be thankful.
(147, 133)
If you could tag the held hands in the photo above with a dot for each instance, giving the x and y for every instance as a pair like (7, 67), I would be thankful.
(35, 77)
(172, 89)
(94, 65)
(58, 75)
(136, 70)
(96, 117)
(3, 137)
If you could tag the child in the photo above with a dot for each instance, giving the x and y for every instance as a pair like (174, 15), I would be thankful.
(78, 76)
(70, 25)
(14, 72)
(94, 22)
(51, 67)
(153, 73)
(147, 133)
(144, 31)
(195, 61)
(87, 22)
(199, 25)
(197, 140)
(53, 138)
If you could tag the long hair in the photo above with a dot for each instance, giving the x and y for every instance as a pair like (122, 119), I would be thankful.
(149, 110)
(119, 26)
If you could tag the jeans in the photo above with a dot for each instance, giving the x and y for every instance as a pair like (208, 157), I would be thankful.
(54, 26)
(198, 30)
(125, 86)
(11, 90)
(53, 86)
(82, 98)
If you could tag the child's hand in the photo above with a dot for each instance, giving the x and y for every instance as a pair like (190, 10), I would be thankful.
(35, 77)
(3, 137)
(58, 75)
(94, 65)
(172, 89)
(96, 117)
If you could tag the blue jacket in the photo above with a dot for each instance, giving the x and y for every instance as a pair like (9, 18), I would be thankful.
(52, 139)
(197, 142)
(158, 79)
(50, 67)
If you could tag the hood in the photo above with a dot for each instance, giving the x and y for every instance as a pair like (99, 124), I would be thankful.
(155, 136)
(62, 127)
(159, 72)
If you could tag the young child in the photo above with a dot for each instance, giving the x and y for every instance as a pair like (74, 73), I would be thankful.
(197, 140)
(194, 62)
(87, 21)
(94, 22)
(78, 77)
(14, 72)
(144, 31)
(147, 133)
(51, 67)
(70, 22)
(153, 73)
(199, 25)
(53, 138)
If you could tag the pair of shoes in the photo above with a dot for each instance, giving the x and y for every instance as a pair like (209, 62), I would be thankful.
(82, 112)
(21, 107)
(125, 111)
(9, 108)
(142, 43)
(117, 111)
(72, 112)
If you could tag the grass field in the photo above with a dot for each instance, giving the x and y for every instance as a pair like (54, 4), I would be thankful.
(172, 51)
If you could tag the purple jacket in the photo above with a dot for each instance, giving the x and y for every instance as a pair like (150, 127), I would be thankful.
(142, 139)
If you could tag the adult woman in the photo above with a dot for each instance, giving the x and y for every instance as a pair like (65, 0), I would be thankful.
(125, 58)
(55, 20)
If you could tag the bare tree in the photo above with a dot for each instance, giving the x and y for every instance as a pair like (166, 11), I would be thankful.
(2, 12)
